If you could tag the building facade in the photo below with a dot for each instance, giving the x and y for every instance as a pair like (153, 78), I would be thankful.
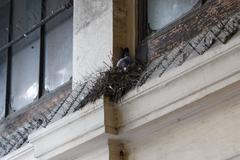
(184, 104)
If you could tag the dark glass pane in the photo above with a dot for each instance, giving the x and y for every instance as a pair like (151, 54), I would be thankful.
(3, 72)
(59, 35)
(4, 27)
(25, 59)
(163, 12)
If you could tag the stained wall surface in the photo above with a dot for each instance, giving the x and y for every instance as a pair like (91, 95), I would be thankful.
(92, 37)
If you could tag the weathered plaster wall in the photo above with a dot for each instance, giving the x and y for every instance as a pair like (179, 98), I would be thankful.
(101, 28)
(93, 36)
(213, 134)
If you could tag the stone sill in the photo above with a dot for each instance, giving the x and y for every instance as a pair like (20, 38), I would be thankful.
(142, 111)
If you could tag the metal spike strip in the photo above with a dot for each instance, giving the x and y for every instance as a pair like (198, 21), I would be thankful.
(221, 32)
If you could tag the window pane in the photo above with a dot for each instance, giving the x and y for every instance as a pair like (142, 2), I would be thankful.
(25, 59)
(4, 23)
(163, 12)
(59, 35)
(3, 66)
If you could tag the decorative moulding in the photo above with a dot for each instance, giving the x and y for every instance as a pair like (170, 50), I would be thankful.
(197, 78)
(24, 153)
(67, 137)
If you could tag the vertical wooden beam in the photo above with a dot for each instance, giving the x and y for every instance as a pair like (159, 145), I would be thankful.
(131, 26)
(142, 19)
(124, 27)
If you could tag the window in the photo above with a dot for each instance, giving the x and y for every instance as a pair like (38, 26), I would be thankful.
(154, 15)
(25, 54)
(169, 11)
(42, 60)
(58, 46)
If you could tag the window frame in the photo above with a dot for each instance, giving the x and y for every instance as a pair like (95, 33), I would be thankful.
(144, 46)
(142, 19)
(9, 53)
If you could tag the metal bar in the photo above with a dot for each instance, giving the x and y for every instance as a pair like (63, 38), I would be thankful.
(68, 5)
(41, 86)
(9, 63)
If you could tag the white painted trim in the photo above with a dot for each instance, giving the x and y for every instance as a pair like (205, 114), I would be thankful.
(88, 109)
(24, 153)
(69, 132)
(195, 79)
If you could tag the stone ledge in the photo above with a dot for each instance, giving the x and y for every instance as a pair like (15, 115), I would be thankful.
(81, 129)
(195, 79)
(24, 153)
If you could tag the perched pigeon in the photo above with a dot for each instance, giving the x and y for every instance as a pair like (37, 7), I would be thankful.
(126, 61)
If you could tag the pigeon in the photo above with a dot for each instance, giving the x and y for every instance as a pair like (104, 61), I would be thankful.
(125, 62)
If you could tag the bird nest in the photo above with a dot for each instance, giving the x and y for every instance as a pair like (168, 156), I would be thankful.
(115, 83)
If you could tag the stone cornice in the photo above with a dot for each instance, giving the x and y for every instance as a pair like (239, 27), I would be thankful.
(195, 79)
(85, 128)
(24, 153)
(160, 102)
